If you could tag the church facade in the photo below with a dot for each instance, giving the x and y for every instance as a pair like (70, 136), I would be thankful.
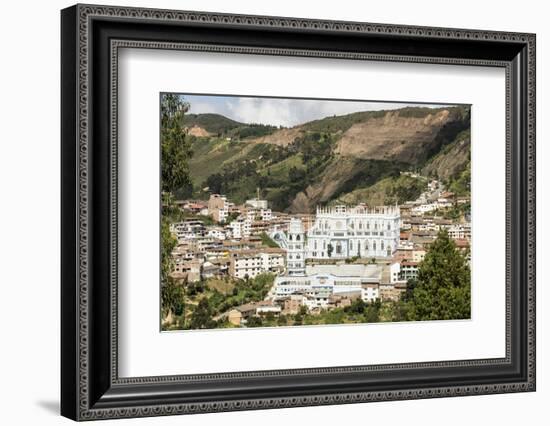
(341, 233)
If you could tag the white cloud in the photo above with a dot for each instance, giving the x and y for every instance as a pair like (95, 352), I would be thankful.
(282, 112)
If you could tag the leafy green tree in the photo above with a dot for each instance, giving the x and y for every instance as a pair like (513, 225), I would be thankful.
(202, 316)
(175, 145)
(356, 307)
(254, 322)
(168, 243)
(172, 297)
(372, 311)
(215, 183)
(175, 153)
(442, 290)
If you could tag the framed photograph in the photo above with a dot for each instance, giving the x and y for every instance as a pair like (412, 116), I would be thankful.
(263, 212)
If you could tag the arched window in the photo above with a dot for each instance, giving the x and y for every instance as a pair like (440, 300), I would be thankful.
(360, 225)
(375, 225)
(374, 246)
(368, 225)
(388, 226)
(366, 245)
(382, 245)
(351, 245)
(315, 244)
(352, 225)
(297, 237)
(338, 248)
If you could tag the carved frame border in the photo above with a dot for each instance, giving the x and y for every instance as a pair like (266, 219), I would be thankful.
(85, 13)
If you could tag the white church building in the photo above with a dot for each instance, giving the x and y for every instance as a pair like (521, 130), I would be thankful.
(337, 233)
(341, 233)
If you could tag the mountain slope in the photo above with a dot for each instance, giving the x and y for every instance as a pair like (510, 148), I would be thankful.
(451, 160)
(408, 139)
(212, 123)
(335, 158)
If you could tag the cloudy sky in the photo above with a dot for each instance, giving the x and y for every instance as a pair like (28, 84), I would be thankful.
(281, 112)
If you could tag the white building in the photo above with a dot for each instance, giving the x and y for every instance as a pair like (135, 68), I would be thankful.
(395, 269)
(424, 208)
(219, 207)
(251, 263)
(240, 228)
(295, 248)
(188, 229)
(266, 215)
(341, 232)
(217, 233)
(460, 231)
(257, 203)
(321, 281)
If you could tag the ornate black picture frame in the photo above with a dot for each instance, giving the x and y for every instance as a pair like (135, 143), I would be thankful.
(91, 36)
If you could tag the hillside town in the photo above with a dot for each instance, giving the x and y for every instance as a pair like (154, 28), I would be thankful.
(316, 262)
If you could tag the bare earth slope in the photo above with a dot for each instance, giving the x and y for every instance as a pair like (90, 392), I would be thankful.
(282, 137)
(394, 137)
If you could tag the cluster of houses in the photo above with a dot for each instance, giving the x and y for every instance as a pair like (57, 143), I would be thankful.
(232, 245)
(323, 260)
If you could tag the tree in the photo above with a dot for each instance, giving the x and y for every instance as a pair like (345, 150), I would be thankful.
(175, 145)
(168, 243)
(357, 306)
(281, 320)
(202, 316)
(254, 322)
(215, 183)
(442, 289)
(172, 297)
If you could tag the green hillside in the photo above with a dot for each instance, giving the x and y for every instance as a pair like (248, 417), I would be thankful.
(220, 125)
(323, 162)
(213, 123)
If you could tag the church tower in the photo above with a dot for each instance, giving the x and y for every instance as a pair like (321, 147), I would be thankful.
(295, 256)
